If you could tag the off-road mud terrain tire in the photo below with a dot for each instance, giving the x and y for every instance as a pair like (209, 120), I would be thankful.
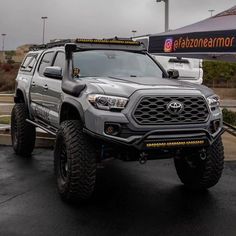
(23, 134)
(76, 178)
(202, 174)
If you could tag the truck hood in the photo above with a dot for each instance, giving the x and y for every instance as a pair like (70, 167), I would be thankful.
(126, 86)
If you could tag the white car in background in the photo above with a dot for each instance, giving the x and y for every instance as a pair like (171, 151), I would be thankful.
(190, 69)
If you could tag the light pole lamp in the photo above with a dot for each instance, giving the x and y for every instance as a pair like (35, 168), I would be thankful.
(166, 13)
(211, 11)
(44, 18)
(134, 32)
(3, 44)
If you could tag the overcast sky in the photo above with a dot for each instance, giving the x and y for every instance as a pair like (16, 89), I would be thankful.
(21, 19)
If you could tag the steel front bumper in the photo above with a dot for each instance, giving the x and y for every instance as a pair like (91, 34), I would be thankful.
(157, 139)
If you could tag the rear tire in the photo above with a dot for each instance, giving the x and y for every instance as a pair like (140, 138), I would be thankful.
(74, 162)
(23, 134)
(201, 174)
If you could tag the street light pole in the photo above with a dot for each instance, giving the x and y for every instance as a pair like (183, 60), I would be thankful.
(44, 22)
(166, 13)
(3, 44)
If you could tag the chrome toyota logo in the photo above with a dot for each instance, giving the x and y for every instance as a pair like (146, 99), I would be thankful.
(175, 107)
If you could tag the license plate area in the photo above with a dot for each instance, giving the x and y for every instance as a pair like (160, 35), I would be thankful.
(178, 65)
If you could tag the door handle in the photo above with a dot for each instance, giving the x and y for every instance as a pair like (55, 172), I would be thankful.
(45, 87)
(33, 84)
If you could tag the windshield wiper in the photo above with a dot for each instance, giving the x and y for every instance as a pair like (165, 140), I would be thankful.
(113, 77)
(86, 76)
(124, 80)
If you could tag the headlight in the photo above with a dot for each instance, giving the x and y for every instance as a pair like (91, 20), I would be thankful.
(104, 102)
(213, 101)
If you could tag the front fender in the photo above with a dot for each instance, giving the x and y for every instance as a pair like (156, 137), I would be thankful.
(76, 104)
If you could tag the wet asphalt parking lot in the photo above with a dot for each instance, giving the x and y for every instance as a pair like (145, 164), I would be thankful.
(130, 199)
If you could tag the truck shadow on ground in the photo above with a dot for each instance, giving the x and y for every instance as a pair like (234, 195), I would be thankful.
(130, 199)
(136, 201)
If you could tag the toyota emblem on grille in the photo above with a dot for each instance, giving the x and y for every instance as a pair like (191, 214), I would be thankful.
(175, 107)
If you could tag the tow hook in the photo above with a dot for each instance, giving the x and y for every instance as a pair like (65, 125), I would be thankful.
(203, 154)
(143, 158)
(178, 154)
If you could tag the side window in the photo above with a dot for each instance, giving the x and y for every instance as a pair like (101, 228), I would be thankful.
(29, 63)
(60, 60)
(46, 61)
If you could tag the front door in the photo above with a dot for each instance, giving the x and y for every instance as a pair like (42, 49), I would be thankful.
(52, 95)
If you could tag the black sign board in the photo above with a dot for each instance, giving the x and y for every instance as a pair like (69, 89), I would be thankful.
(199, 42)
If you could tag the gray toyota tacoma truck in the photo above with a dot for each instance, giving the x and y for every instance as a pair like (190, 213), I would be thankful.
(110, 98)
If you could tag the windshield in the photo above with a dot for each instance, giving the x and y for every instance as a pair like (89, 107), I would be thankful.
(109, 63)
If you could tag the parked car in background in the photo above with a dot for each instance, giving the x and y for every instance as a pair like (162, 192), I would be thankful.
(190, 69)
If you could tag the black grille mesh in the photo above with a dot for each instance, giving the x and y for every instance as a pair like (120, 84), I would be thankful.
(153, 110)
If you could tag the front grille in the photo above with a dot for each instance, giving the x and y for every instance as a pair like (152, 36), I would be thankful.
(153, 110)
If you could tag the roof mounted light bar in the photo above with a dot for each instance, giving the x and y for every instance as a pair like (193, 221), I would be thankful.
(111, 41)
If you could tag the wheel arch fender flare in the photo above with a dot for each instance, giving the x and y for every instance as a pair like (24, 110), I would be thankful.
(71, 104)
(17, 96)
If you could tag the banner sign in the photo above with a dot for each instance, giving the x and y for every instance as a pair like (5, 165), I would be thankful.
(199, 42)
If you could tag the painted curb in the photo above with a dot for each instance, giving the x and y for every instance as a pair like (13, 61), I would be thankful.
(43, 140)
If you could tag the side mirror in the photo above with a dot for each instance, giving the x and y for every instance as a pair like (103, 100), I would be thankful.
(173, 74)
(54, 72)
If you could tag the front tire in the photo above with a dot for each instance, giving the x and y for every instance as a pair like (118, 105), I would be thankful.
(201, 174)
(23, 134)
(74, 162)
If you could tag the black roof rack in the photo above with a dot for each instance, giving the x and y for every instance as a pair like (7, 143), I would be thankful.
(109, 41)
(37, 47)
(57, 43)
